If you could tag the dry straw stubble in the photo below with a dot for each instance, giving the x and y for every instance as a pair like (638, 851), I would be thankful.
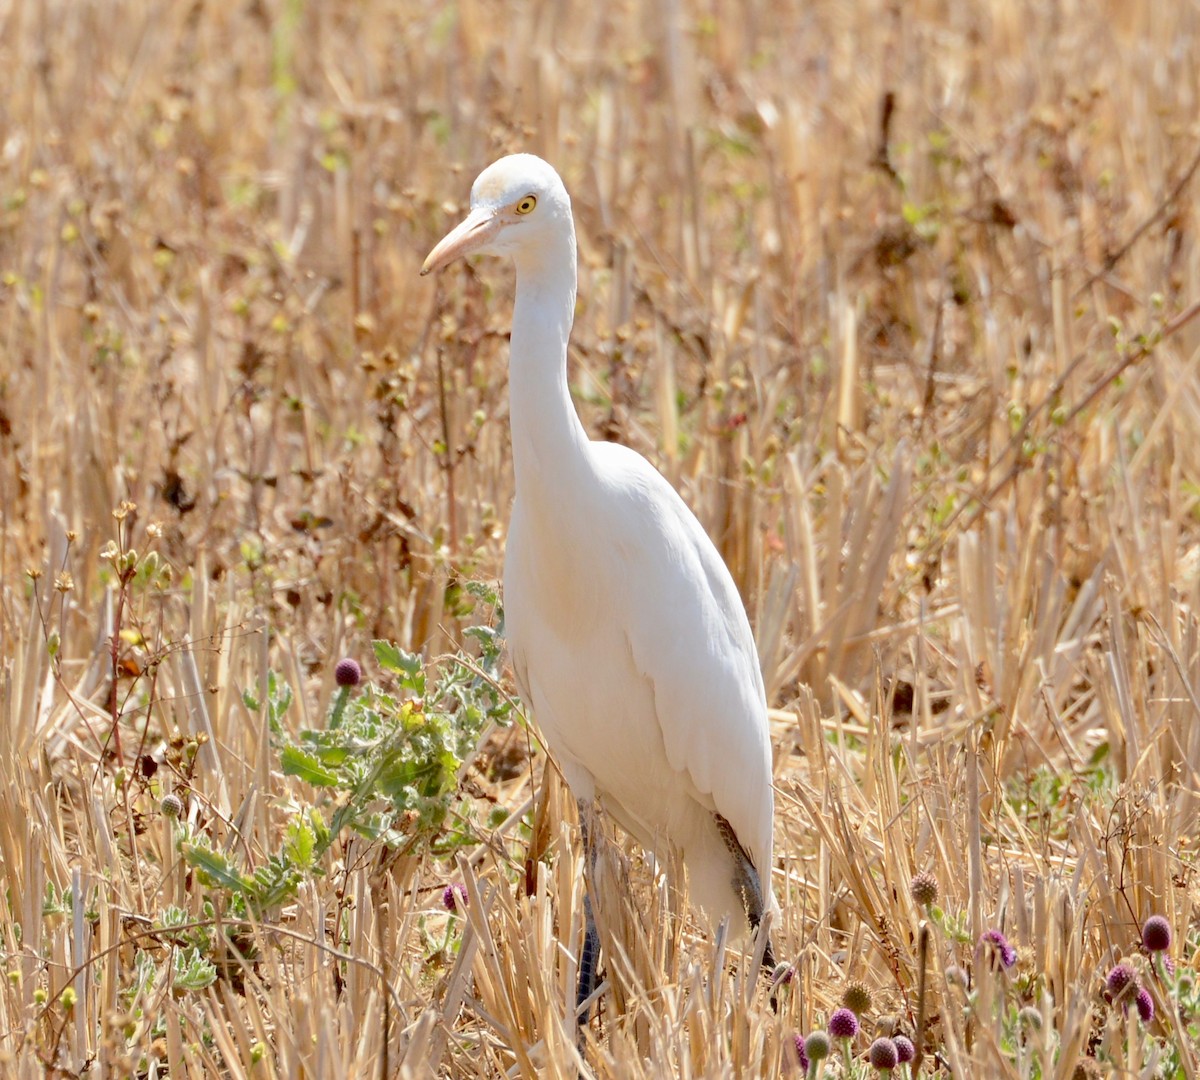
(900, 296)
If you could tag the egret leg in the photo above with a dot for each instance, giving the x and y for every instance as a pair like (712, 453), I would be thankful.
(588, 963)
(747, 884)
(589, 957)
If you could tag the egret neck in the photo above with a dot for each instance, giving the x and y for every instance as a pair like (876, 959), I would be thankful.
(548, 441)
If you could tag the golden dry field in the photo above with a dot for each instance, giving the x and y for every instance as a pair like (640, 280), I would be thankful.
(904, 298)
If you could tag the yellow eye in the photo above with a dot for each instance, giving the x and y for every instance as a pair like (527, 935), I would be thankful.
(527, 204)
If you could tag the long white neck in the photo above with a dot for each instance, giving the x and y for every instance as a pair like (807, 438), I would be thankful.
(549, 443)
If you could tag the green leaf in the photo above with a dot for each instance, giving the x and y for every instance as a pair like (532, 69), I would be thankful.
(215, 868)
(333, 756)
(279, 697)
(407, 665)
(296, 762)
(320, 828)
(393, 658)
(300, 844)
(482, 591)
(192, 971)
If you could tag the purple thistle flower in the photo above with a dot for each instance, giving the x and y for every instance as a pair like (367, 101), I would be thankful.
(997, 945)
(348, 672)
(905, 1051)
(454, 897)
(801, 1053)
(883, 1055)
(1156, 934)
(843, 1024)
(1145, 1005)
(1119, 981)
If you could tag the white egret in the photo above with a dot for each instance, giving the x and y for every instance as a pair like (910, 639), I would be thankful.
(627, 636)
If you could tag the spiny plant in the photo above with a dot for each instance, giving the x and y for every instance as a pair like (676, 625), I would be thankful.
(386, 765)
(385, 769)
(1002, 998)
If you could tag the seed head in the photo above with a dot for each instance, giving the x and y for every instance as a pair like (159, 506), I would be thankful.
(783, 974)
(996, 945)
(1145, 1005)
(857, 998)
(955, 976)
(1030, 1017)
(905, 1051)
(883, 1055)
(171, 805)
(816, 1046)
(924, 889)
(454, 897)
(1156, 934)
(347, 672)
(843, 1024)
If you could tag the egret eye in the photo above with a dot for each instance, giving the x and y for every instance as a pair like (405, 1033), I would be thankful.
(527, 204)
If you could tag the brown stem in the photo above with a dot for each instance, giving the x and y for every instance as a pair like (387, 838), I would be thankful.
(451, 519)
(114, 733)
(922, 971)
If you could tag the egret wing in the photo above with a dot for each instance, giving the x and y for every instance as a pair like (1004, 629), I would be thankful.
(689, 635)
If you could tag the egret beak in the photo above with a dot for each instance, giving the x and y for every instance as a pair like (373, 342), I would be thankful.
(480, 226)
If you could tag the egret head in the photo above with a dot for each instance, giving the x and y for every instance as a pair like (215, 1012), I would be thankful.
(518, 206)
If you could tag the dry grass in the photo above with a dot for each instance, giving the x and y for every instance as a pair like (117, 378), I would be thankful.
(899, 295)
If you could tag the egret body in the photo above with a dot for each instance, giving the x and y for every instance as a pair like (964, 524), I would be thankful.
(627, 635)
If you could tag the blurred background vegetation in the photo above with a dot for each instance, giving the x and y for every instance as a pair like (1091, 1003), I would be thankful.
(900, 296)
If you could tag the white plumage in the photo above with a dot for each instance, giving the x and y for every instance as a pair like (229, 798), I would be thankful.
(628, 638)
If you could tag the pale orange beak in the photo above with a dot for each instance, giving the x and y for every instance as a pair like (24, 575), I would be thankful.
(480, 226)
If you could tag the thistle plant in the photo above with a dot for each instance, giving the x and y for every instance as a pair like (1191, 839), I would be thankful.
(454, 897)
(171, 806)
(1029, 1019)
(843, 1026)
(857, 997)
(1156, 934)
(1120, 984)
(347, 675)
(883, 1055)
(1156, 940)
(783, 974)
(801, 1050)
(924, 889)
(385, 767)
(995, 950)
(816, 1050)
